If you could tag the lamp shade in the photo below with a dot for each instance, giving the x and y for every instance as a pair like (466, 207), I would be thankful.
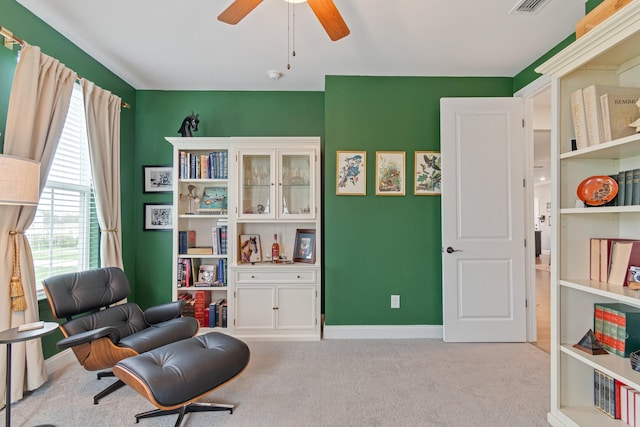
(19, 181)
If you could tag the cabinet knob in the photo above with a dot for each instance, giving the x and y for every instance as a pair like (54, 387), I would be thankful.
(275, 308)
(299, 276)
(253, 277)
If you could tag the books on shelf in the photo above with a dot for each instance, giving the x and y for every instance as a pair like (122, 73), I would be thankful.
(579, 117)
(617, 326)
(213, 165)
(192, 273)
(219, 238)
(607, 396)
(200, 250)
(603, 113)
(610, 259)
(218, 313)
(186, 240)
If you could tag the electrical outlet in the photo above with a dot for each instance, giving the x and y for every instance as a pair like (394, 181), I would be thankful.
(395, 301)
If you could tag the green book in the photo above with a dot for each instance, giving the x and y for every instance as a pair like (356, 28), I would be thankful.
(621, 187)
(624, 329)
(628, 189)
(635, 192)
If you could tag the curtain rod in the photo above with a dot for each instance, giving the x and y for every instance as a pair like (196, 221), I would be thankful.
(10, 40)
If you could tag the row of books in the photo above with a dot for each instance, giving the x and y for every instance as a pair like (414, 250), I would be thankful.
(208, 313)
(192, 273)
(617, 327)
(219, 241)
(628, 188)
(611, 260)
(216, 315)
(616, 399)
(214, 165)
(603, 113)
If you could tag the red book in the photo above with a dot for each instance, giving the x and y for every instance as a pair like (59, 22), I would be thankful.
(202, 301)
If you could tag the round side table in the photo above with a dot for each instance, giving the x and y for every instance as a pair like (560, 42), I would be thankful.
(10, 336)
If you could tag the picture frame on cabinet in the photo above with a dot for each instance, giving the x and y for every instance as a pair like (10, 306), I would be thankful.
(158, 216)
(428, 173)
(157, 179)
(250, 248)
(351, 173)
(304, 249)
(390, 173)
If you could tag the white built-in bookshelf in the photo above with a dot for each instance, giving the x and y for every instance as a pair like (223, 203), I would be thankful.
(269, 186)
(607, 55)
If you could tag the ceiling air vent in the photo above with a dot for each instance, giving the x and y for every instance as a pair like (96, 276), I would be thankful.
(528, 7)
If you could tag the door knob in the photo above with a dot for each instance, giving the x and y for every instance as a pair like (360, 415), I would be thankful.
(450, 250)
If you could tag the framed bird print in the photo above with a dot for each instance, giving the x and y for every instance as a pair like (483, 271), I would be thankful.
(428, 176)
(390, 173)
(351, 176)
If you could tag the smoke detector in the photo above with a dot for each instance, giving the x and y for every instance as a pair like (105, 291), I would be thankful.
(528, 7)
(274, 75)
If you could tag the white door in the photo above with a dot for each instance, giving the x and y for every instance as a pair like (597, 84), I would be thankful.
(483, 270)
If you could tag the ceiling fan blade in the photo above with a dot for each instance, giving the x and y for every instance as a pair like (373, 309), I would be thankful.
(238, 10)
(330, 18)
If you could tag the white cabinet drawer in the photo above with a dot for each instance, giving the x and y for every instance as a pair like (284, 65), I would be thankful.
(262, 276)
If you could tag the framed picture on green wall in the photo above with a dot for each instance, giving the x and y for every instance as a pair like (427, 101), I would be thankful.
(427, 173)
(158, 216)
(157, 179)
(351, 173)
(390, 173)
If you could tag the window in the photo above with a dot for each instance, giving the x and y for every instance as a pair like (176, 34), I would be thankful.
(65, 234)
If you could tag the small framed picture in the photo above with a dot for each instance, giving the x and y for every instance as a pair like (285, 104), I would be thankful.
(428, 174)
(158, 216)
(157, 179)
(351, 173)
(250, 249)
(390, 173)
(304, 249)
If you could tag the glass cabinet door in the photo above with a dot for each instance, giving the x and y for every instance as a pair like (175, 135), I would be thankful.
(256, 184)
(296, 173)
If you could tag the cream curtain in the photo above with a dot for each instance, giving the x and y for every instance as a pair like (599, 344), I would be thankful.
(38, 105)
(102, 110)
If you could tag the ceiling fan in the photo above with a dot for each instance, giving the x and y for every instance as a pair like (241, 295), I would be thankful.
(325, 11)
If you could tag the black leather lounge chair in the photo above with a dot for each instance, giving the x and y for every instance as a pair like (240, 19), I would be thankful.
(100, 333)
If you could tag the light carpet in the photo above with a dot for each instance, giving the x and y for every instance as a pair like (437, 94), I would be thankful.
(331, 383)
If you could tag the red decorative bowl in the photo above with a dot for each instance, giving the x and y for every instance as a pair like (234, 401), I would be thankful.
(597, 190)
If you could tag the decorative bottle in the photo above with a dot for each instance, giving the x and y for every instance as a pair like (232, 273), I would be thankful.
(275, 249)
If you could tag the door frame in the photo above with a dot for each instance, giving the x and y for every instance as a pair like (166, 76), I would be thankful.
(528, 93)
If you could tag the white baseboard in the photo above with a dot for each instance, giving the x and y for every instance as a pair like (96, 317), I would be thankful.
(382, 331)
(59, 361)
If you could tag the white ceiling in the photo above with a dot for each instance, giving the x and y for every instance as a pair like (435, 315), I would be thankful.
(180, 45)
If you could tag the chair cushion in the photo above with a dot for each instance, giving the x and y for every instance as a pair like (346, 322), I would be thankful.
(127, 318)
(159, 334)
(179, 372)
(75, 293)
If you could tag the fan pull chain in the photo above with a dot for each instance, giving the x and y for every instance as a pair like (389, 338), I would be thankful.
(291, 34)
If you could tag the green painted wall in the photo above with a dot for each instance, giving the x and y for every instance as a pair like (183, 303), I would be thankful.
(160, 113)
(376, 246)
(26, 26)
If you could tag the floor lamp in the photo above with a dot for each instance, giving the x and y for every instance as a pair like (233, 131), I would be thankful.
(19, 186)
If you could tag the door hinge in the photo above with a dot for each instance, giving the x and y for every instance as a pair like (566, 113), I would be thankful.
(524, 183)
(522, 122)
(526, 303)
(525, 243)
